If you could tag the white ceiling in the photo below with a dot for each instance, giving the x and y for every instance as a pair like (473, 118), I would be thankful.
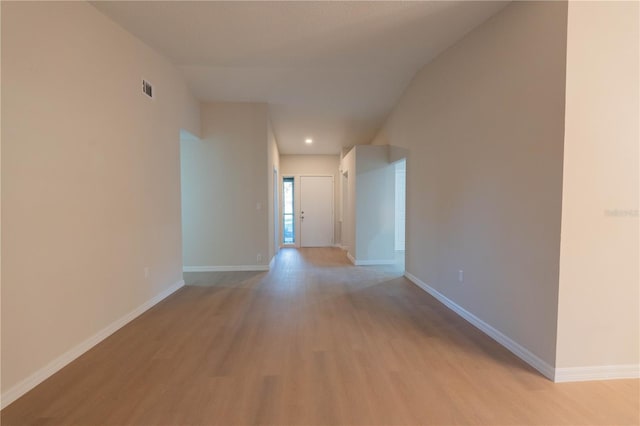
(329, 70)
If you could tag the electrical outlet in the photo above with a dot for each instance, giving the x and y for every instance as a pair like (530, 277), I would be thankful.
(259, 257)
(460, 275)
(146, 272)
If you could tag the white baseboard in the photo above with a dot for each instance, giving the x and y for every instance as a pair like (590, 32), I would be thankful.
(232, 268)
(57, 364)
(558, 375)
(517, 349)
(272, 263)
(600, 372)
(374, 262)
(369, 262)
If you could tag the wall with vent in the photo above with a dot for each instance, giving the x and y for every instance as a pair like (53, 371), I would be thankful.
(90, 183)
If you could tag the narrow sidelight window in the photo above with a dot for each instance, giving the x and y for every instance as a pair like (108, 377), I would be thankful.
(288, 229)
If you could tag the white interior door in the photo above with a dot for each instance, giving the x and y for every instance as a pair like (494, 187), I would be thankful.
(316, 211)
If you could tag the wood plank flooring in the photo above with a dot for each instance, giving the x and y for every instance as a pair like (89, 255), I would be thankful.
(314, 341)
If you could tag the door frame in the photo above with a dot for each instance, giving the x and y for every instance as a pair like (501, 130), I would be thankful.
(298, 206)
(277, 238)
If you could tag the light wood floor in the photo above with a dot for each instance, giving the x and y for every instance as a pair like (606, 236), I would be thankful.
(314, 341)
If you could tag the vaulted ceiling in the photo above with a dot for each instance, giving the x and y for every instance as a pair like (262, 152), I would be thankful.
(331, 71)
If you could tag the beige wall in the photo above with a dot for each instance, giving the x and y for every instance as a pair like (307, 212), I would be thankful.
(319, 165)
(598, 320)
(90, 179)
(483, 125)
(225, 194)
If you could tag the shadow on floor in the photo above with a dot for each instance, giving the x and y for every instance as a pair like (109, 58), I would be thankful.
(223, 279)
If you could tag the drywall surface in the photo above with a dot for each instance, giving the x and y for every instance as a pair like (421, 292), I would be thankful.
(90, 180)
(348, 189)
(598, 323)
(312, 165)
(274, 189)
(374, 204)
(224, 187)
(484, 125)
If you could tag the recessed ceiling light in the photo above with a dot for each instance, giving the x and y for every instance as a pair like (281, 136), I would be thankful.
(308, 141)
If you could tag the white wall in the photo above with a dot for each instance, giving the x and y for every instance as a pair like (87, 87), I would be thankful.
(374, 205)
(313, 165)
(368, 220)
(484, 127)
(225, 187)
(90, 182)
(598, 322)
(400, 195)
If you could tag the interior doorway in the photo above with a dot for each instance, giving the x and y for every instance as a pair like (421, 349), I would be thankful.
(400, 210)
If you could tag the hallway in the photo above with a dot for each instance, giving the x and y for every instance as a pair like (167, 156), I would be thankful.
(313, 341)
